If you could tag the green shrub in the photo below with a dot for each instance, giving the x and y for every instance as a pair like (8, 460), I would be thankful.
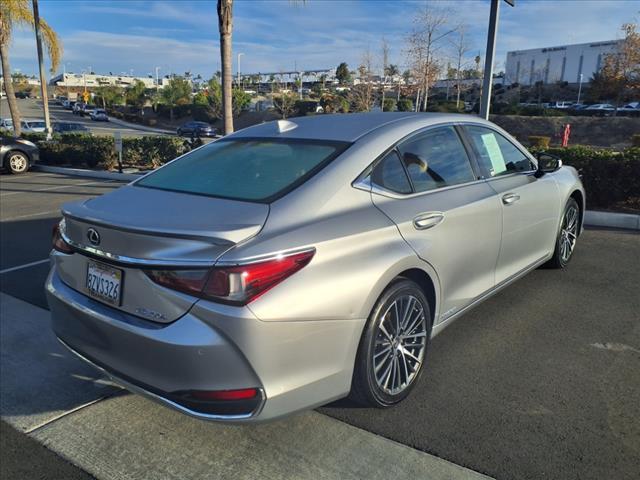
(151, 151)
(405, 105)
(389, 105)
(538, 141)
(304, 107)
(610, 177)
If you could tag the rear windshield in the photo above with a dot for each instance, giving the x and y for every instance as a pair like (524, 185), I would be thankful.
(258, 170)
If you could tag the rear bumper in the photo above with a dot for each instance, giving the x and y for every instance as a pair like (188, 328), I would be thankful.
(211, 351)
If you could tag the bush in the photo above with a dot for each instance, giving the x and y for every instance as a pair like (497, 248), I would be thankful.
(389, 105)
(304, 107)
(99, 152)
(538, 141)
(405, 105)
(635, 140)
(610, 177)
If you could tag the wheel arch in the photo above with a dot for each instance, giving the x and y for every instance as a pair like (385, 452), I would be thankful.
(426, 284)
(579, 198)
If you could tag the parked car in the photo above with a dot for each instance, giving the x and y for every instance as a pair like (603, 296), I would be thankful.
(22, 95)
(77, 108)
(99, 115)
(17, 154)
(561, 105)
(61, 99)
(87, 109)
(296, 262)
(601, 106)
(6, 123)
(33, 126)
(197, 129)
(69, 127)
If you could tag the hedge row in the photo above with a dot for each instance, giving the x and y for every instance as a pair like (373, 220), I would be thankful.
(99, 152)
(611, 178)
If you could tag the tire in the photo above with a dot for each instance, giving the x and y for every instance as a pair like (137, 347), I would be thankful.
(567, 236)
(17, 162)
(384, 379)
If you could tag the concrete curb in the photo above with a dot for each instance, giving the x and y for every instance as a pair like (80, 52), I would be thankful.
(79, 172)
(627, 221)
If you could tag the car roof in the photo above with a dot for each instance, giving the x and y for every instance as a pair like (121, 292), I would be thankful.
(348, 127)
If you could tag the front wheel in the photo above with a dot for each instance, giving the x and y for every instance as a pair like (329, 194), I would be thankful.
(17, 162)
(393, 347)
(567, 236)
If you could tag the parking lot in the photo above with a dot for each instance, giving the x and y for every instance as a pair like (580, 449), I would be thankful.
(540, 381)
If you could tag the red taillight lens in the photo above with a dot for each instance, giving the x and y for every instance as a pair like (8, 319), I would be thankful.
(58, 242)
(224, 394)
(236, 285)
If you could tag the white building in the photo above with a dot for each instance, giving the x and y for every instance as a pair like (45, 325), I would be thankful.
(557, 64)
(91, 80)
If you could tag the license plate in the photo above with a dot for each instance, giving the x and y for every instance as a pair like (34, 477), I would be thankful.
(104, 282)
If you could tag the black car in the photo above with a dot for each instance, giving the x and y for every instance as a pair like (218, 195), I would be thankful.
(68, 127)
(17, 154)
(22, 95)
(196, 129)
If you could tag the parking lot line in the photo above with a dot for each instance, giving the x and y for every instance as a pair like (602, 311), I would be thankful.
(30, 215)
(53, 188)
(26, 265)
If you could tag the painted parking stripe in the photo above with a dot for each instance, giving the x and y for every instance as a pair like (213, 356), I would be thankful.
(61, 187)
(26, 265)
(30, 215)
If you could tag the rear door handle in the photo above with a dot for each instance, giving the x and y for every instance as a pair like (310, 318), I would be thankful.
(510, 198)
(424, 221)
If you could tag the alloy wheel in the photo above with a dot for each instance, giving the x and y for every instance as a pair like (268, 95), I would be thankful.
(400, 344)
(17, 163)
(568, 233)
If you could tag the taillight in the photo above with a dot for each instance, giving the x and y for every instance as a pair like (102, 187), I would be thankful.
(58, 242)
(238, 284)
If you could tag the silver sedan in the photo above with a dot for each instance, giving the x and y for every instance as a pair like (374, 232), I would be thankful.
(297, 262)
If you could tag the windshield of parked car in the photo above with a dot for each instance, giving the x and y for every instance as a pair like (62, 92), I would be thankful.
(258, 169)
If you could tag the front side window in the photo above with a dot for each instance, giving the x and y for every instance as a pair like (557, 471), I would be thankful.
(256, 170)
(390, 175)
(436, 159)
(496, 154)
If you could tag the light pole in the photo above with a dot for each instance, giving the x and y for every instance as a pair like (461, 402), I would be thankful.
(492, 34)
(580, 88)
(157, 81)
(239, 55)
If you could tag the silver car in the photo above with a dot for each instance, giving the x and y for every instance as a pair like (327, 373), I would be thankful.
(297, 262)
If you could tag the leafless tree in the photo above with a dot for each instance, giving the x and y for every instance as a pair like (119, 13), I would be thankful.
(461, 48)
(423, 44)
(385, 66)
(361, 97)
(285, 104)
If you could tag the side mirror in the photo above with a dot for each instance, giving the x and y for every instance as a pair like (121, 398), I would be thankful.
(547, 163)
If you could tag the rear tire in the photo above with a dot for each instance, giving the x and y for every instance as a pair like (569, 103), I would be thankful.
(17, 162)
(567, 236)
(393, 346)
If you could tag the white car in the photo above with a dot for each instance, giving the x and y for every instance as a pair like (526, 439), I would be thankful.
(601, 106)
(99, 115)
(33, 126)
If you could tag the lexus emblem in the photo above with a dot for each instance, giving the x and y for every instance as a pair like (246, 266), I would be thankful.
(93, 236)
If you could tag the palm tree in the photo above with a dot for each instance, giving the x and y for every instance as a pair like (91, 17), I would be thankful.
(225, 26)
(18, 13)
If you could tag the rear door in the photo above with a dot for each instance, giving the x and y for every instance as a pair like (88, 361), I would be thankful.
(530, 205)
(450, 217)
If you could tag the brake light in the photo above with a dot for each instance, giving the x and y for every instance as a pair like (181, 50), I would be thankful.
(58, 242)
(224, 394)
(236, 285)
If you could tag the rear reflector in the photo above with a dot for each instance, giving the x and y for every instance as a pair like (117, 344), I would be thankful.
(236, 285)
(224, 394)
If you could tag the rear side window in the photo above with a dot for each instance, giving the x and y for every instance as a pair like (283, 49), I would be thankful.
(436, 159)
(497, 155)
(390, 175)
(257, 170)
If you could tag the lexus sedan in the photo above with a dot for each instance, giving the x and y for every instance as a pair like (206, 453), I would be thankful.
(297, 262)
(17, 154)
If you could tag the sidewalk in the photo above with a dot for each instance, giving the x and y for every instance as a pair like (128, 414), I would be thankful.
(110, 434)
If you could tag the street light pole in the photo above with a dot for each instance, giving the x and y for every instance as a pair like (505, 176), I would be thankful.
(43, 78)
(157, 81)
(579, 88)
(239, 55)
(487, 81)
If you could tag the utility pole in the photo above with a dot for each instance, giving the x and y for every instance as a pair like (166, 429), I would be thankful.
(487, 82)
(239, 55)
(43, 78)
(580, 88)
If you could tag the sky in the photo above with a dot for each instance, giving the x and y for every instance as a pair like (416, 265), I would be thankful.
(279, 35)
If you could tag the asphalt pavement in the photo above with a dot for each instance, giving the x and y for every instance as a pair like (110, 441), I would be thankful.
(31, 108)
(540, 381)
